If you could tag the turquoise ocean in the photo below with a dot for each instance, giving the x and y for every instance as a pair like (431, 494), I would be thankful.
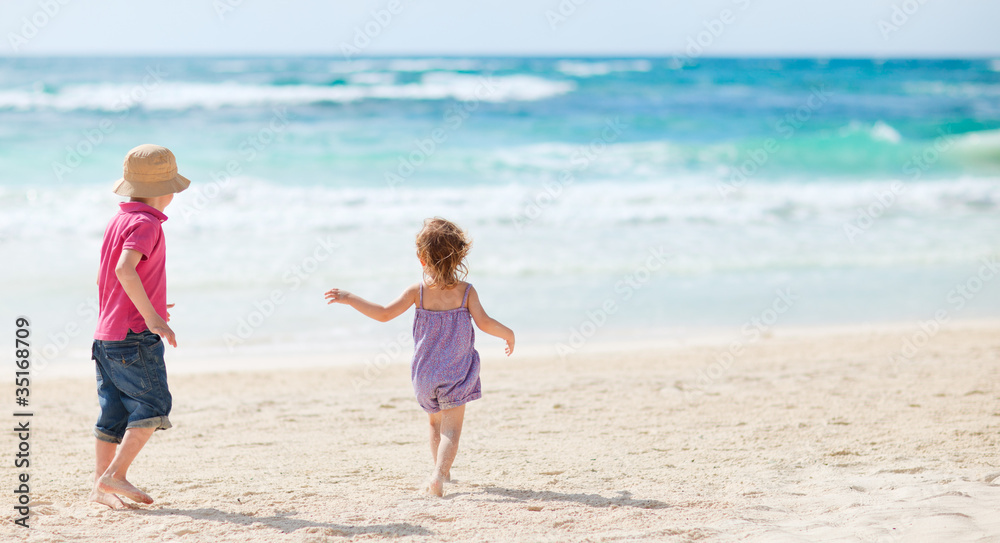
(608, 199)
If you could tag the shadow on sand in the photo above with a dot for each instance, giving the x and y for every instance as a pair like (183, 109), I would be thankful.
(624, 498)
(285, 524)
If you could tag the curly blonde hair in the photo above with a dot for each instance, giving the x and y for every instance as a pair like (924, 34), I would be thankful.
(442, 246)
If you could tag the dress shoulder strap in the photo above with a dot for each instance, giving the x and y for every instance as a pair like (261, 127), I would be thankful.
(421, 295)
(465, 298)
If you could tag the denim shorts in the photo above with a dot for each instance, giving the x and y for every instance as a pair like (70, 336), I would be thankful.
(131, 385)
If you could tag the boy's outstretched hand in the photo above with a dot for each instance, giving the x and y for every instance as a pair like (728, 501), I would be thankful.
(509, 348)
(160, 327)
(337, 296)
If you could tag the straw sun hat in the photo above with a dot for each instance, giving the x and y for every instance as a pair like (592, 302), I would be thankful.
(149, 171)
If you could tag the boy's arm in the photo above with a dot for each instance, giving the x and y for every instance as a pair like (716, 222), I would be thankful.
(130, 281)
(487, 323)
(373, 310)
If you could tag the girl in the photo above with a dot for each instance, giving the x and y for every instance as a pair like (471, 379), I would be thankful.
(445, 368)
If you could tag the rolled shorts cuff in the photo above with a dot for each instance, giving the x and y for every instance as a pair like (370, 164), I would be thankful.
(106, 437)
(159, 423)
(450, 404)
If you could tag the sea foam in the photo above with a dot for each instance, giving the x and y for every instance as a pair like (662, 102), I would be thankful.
(171, 95)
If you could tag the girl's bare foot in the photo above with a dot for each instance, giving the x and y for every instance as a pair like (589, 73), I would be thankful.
(123, 488)
(110, 500)
(435, 486)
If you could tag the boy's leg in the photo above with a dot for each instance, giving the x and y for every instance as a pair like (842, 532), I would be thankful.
(143, 393)
(113, 479)
(451, 431)
(105, 453)
(110, 424)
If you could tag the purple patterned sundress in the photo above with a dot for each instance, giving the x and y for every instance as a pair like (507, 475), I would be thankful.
(445, 368)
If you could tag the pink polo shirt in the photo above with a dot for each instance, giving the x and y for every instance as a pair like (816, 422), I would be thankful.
(136, 227)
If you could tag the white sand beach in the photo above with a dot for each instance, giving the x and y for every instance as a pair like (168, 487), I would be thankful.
(809, 435)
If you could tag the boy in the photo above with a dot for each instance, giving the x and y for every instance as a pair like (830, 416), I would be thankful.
(128, 350)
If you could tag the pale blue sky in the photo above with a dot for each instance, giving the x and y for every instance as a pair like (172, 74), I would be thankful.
(953, 28)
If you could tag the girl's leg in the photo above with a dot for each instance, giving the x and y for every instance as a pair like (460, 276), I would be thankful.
(450, 432)
(435, 428)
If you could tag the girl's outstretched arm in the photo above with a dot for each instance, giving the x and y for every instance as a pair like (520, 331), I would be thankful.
(487, 323)
(378, 312)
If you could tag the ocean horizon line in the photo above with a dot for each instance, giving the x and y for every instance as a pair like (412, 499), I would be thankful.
(501, 56)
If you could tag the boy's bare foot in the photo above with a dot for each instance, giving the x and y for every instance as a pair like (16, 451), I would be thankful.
(435, 486)
(123, 488)
(110, 500)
